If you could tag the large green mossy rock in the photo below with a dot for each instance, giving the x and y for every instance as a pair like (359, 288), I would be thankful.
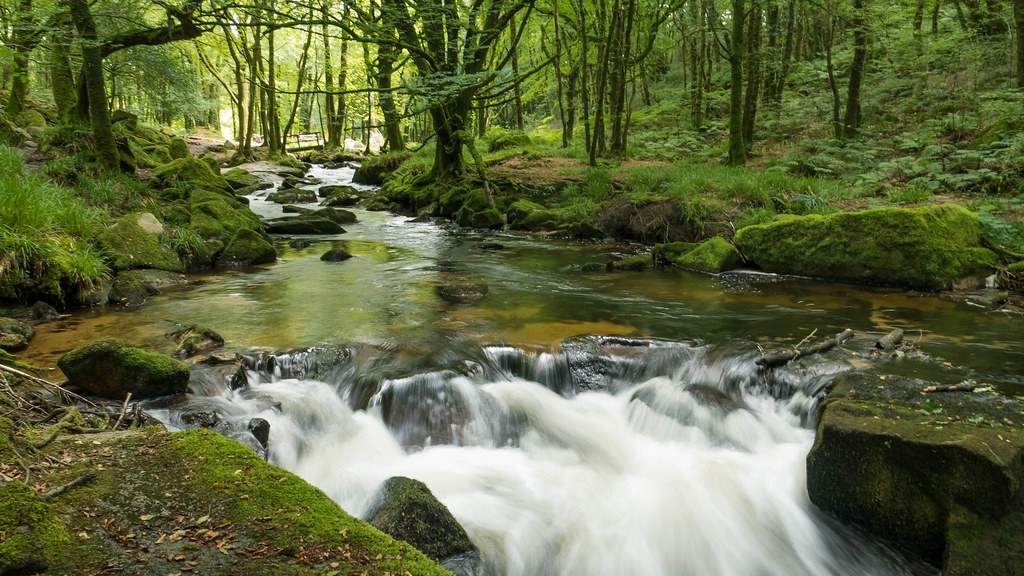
(408, 511)
(217, 216)
(191, 171)
(129, 245)
(32, 537)
(939, 475)
(713, 256)
(247, 248)
(111, 369)
(928, 248)
(239, 179)
(178, 149)
(373, 170)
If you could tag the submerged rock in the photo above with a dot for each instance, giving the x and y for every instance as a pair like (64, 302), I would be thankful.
(43, 312)
(941, 475)
(300, 243)
(929, 248)
(637, 263)
(408, 511)
(293, 196)
(14, 334)
(111, 369)
(133, 287)
(193, 340)
(337, 253)
(462, 291)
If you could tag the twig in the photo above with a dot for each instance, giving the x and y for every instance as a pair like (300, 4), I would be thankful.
(38, 380)
(786, 356)
(124, 408)
(806, 338)
(88, 477)
(949, 388)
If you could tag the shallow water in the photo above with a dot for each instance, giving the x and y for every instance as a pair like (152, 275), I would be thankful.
(643, 478)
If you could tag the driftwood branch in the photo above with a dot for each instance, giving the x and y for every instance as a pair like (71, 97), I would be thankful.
(949, 388)
(46, 383)
(65, 487)
(890, 341)
(783, 357)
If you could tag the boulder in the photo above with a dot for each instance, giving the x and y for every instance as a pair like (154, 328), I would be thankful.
(191, 171)
(240, 179)
(14, 334)
(637, 263)
(335, 190)
(289, 209)
(148, 222)
(217, 216)
(926, 248)
(292, 196)
(462, 291)
(940, 475)
(713, 256)
(341, 201)
(43, 312)
(406, 510)
(310, 224)
(193, 340)
(337, 253)
(111, 369)
(129, 246)
(178, 149)
(247, 248)
(337, 215)
(243, 192)
(507, 139)
(133, 287)
(489, 245)
(300, 243)
(127, 119)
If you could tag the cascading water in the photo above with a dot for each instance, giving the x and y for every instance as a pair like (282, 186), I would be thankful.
(687, 462)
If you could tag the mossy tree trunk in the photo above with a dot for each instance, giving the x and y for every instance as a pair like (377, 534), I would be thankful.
(852, 119)
(1018, 19)
(24, 40)
(737, 146)
(753, 73)
(62, 79)
(92, 70)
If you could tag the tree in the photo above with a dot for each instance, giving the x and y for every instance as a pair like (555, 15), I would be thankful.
(737, 47)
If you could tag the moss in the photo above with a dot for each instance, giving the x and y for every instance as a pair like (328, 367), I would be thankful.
(33, 538)
(129, 246)
(238, 179)
(666, 254)
(713, 256)
(373, 170)
(111, 368)
(520, 209)
(305, 224)
(191, 171)
(407, 510)
(1012, 277)
(247, 248)
(302, 516)
(637, 263)
(927, 248)
(178, 149)
(219, 217)
(510, 139)
(30, 118)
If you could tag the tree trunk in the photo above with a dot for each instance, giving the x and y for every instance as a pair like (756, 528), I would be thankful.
(392, 119)
(837, 124)
(737, 146)
(333, 132)
(851, 123)
(1018, 20)
(753, 74)
(92, 68)
(24, 30)
(450, 121)
(62, 80)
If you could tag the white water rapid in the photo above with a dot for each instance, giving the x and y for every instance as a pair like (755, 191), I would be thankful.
(696, 471)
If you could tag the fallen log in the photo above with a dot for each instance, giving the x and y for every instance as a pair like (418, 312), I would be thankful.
(890, 341)
(783, 357)
(949, 388)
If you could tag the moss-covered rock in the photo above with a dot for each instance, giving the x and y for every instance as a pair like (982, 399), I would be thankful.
(714, 255)
(337, 253)
(218, 216)
(32, 537)
(928, 248)
(133, 287)
(247, 248)
(520, 209)
(939, 475)
(336, 215)
(178, 149)
(1012, 277)
(293, 196)
(304, 224)
(129, 246)
(189, 170)
(15, 334)
(193, 340)
(239, 179)
(637, 263)
(507, 139)
(407, 510)
(374, 169)
(111, 369)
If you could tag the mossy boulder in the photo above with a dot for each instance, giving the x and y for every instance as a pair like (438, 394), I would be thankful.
(938, 475)
(337, 253)
(111, 369)
(247, 248)
(128, 245)
(15, 334)
(189, 170)
(374, 169)
(667, 254)
(713, 256)
(32, 536)
(509, 139)
(407, 510)
(133, 287)
(304, 224)
(293, 196)
(30, 118)
(238, 179)
(526, 215)
(217, 216)
(488, 218)
(927, 248)
(178, 149)
(637, 263)
(336, 215)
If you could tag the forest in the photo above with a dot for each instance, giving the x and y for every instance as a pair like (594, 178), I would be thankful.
(512, 287)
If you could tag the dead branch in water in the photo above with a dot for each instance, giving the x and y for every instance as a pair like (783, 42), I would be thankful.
(949, 388)
(783, 357)
(890, 341)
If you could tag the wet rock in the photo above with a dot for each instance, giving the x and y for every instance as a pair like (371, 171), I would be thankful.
(408, 511)
(15, 334)
(248, 190)
(306, 224)
(712, 256)
(593, 268)
(927, 248)
(193, 340)
(95, 295)
(338, 190)
(289, 209)
(132, 288)
(111, 369)
(300, 243)
(940, 475)
(462, 291)
(637, 263)
(294, 196)
(336, 215)
(219, 359)
(337, 253)
(247, 248)
(492, 246)
(260, 430)
(293, 182)
(201, 419)
(341, 201)
(240, 179)
(43, 312)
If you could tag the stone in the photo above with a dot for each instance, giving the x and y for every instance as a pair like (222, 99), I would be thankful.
(15, 334)
(247, 248)
(130, 246)
(311, 224)
(178, 149)
(292, 196)
(713, 256)
(240, 179)
(336, 215)
(191, 171)
(337, 253)
(132, 288)
(940, 475)
(111, 369)
(637, 263)
(148, 222)
(300, 243)
(405, 509)
(462, 291)
(194, 340)
(43, 312)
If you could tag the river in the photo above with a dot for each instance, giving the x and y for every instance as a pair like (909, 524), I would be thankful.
(678, 458)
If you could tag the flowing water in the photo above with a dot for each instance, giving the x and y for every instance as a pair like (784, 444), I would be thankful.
(657, 448)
